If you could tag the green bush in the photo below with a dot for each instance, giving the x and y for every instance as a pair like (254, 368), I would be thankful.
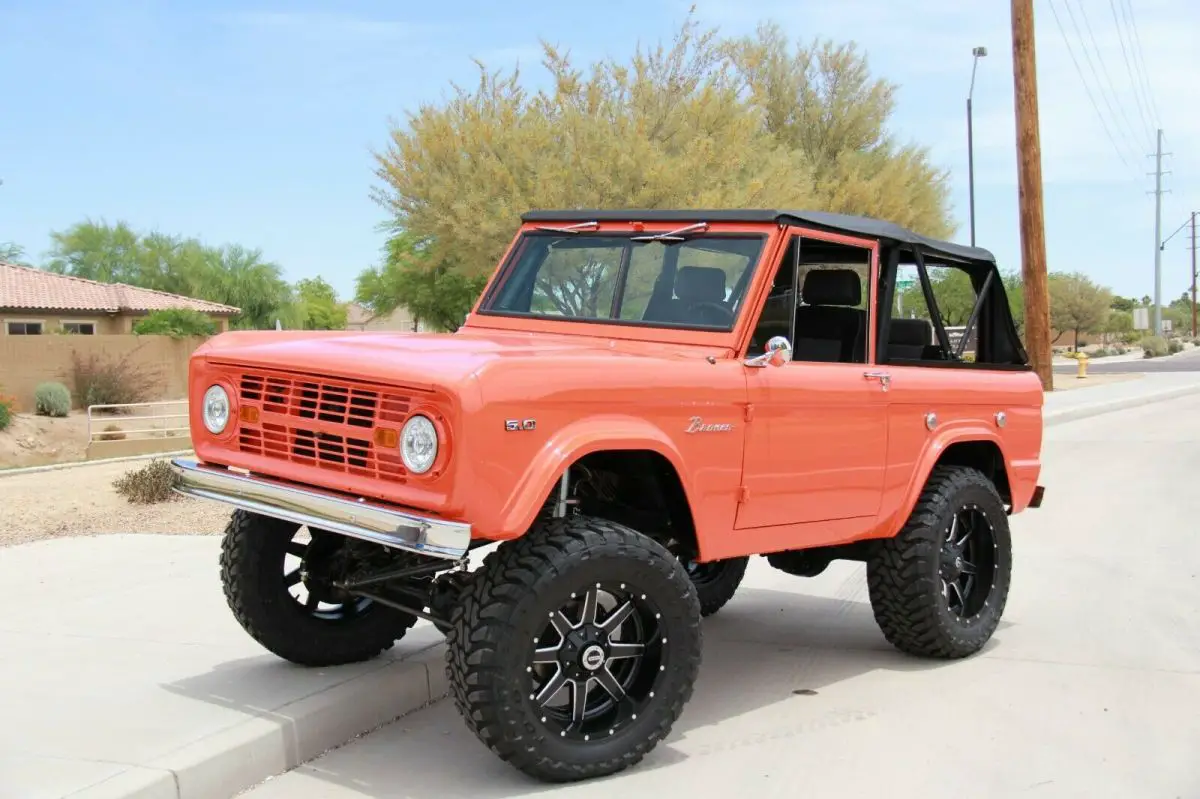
(1100, 353)
(1154, 347)
(52, 399)
(1174, 346)
(6, 411)
(148, 485)
(176, 323)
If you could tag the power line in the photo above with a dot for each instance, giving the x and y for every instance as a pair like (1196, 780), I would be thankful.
(1137, 91)
(1083, 80)
(1140, 59)
(1104, 68)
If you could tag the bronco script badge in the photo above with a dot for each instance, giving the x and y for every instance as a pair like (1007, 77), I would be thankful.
(698, 425)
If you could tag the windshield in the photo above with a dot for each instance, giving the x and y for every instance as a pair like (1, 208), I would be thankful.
(698, 283)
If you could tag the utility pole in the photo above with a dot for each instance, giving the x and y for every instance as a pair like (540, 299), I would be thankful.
(1193, 274)
(976, 54)
(1029, 179)
(1158, 173)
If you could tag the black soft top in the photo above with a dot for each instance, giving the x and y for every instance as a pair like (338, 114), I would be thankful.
(863, 226)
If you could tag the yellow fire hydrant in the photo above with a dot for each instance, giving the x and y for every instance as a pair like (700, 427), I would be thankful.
(1082, 360)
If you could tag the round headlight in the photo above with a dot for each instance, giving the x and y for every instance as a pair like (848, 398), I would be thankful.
(216, 410)
(419, 444)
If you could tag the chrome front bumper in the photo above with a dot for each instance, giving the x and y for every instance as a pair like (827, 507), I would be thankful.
(323, 511)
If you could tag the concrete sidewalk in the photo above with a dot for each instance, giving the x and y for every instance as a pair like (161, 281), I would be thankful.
(1080, 403)
(125, 676)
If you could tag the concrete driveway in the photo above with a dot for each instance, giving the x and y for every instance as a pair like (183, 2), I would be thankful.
(1091, 687)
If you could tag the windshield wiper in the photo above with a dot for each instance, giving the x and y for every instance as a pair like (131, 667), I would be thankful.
(570, 228)
(673, 235)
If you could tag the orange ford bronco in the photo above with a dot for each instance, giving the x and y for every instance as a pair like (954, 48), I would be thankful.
(638, 403)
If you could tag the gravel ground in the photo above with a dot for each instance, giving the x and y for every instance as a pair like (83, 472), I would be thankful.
(81, 501)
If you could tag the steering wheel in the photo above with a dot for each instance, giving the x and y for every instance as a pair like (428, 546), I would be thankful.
(711, 313)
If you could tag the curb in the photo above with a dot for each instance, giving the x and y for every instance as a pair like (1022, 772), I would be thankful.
(254, 750)
(54, 467)
(1097, 408)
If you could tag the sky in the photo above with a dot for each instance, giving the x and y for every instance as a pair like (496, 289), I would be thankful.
(254, 121)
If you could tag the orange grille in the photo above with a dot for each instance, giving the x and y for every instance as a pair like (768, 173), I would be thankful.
(323, 422)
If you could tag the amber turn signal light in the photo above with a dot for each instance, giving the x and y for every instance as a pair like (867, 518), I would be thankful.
(248, 414)
(386, 437)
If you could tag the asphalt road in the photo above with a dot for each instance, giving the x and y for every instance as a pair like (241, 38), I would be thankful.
(1188, 361)
(1091, 686)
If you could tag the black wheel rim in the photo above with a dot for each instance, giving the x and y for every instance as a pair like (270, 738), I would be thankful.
(311, 563)
(595, 666)
(967, 564)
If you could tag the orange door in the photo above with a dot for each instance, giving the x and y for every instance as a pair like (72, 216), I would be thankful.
(816, 445)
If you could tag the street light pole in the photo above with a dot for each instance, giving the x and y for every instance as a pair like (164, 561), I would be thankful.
(977, 53)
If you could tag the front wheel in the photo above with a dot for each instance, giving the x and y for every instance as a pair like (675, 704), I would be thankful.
(278, 580)
(938, 589)
(575, 649)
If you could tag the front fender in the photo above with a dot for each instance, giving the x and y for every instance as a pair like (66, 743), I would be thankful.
(934, 448)
(580, 438)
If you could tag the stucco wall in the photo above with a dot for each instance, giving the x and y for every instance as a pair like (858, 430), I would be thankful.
(26, 361)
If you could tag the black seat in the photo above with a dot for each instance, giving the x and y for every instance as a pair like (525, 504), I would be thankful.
(908, 338)
(693, 284)
(828, 327)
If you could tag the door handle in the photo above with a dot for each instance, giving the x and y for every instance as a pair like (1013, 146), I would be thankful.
(885, 379)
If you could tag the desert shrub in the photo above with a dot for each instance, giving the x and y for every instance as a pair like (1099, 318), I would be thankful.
(111, 381)
(112, 432)
(148, 485)
(6, 411)
(1174, 346)
(1102, 352)
(176, 323)
(52, 399)
(1154, 347)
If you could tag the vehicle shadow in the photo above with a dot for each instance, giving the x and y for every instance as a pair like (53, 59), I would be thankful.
(765, 648)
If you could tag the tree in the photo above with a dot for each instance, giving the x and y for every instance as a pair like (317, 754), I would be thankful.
(96, 251)
(438, 294)
(1119, 324)
(1014, 289)
(11, 252)
(703, 122)
(176, 323)
(1123, 304)
(230, 274)
(1077, 304)
(319, 305)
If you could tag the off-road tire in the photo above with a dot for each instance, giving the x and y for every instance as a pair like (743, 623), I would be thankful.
(494, 630)
(717, 582)
(903, 572)
(252, 553)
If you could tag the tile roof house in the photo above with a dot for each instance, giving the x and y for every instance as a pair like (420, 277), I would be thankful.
(34, 302)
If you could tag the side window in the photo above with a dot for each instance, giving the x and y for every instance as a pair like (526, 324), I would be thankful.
(821, 304)
(912, 335)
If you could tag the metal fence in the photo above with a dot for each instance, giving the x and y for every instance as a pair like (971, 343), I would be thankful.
(138, 421)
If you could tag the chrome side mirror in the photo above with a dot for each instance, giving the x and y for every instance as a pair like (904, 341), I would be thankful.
(778, 352)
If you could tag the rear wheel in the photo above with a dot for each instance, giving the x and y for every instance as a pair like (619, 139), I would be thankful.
(716, 582)
(278, 580)
(938, 589)
(575, 649)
